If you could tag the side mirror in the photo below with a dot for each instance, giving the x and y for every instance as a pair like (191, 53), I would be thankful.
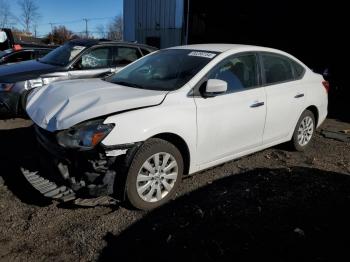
(214, 87)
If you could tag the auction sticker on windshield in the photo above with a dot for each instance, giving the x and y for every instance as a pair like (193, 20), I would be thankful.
(202, 54)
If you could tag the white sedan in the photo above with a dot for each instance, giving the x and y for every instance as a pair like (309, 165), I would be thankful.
(172, 113)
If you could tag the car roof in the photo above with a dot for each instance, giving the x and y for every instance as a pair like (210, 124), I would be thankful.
(92, 42)
(227, 47)
(34, 48)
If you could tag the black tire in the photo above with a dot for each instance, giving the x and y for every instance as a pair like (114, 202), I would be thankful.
(295, 142)
(148, 149)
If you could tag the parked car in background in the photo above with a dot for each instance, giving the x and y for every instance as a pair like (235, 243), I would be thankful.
(14, 56)
(12, 41)
(73, 60)
(172, 113)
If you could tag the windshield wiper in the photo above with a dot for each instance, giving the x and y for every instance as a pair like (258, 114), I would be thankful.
(124, 83)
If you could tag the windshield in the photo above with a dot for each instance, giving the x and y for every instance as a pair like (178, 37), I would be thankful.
(165, 70)
(62, 55)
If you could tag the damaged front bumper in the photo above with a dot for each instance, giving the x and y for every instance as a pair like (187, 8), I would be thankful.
(75, 175)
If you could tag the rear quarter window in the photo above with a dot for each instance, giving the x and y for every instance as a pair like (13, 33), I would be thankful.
(299, 70)
(145, 51)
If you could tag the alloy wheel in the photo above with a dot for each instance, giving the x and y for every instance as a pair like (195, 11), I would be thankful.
(157, 177)
(305, 131)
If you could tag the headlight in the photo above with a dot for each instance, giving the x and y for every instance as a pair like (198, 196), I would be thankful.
(84, 136)
(38, 82)
(6, 86)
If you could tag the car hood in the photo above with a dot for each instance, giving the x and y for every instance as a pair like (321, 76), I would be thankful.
(62, 105)
(12, 73)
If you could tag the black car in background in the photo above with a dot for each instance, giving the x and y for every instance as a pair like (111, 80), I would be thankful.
(14, 56)
(82, 58)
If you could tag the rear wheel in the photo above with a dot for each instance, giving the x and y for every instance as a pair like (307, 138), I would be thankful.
(154, 174)
(304, 131)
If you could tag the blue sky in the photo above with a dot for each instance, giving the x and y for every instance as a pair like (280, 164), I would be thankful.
(71, 12)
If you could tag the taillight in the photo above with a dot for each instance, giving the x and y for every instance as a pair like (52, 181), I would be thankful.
(326, 85)
(17, 47)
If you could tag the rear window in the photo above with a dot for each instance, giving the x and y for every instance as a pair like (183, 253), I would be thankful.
(299, 70)
(19, 57)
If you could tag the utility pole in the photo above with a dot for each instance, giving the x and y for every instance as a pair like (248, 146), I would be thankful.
(35, 27)
(86, 27)
(51, 34)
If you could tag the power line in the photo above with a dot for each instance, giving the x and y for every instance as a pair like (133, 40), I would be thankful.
(77, 21)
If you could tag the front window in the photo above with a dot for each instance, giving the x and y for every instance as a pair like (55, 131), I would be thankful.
(239, 71)
(164, 70)
(100, 57)
(62, 55)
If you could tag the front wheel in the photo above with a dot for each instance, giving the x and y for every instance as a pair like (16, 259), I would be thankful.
(304, 131)
(154, 174)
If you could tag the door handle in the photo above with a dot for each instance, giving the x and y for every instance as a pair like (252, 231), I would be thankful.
(257, 104)
(299, 95)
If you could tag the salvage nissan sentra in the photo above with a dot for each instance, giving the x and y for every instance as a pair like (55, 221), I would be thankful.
(175, 112)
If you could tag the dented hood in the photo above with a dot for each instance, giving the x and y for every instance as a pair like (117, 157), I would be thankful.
(62, 105)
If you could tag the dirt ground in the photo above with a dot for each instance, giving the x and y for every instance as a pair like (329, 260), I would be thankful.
(276, 204)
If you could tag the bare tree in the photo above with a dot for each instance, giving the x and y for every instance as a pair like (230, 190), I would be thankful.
(115, 28)
(6, 16)
(29, 13)
(59, 35)
(100, 30)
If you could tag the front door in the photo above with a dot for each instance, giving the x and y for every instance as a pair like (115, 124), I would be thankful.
(232, 122)
(93, 63)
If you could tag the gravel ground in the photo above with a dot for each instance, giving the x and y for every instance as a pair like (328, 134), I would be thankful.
(275, 204)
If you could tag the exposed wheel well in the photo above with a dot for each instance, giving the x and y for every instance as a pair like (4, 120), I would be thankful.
(181, 145)
(314, 110)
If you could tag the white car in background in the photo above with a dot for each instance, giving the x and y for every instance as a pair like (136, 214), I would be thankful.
(172, 113)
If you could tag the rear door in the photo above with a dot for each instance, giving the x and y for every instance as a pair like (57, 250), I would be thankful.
(93, 63)
(285, 96)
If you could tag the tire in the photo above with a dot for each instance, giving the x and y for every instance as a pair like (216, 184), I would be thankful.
(148, 184)
(304, 131)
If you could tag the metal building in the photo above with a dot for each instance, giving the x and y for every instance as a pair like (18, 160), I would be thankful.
(155, 22)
